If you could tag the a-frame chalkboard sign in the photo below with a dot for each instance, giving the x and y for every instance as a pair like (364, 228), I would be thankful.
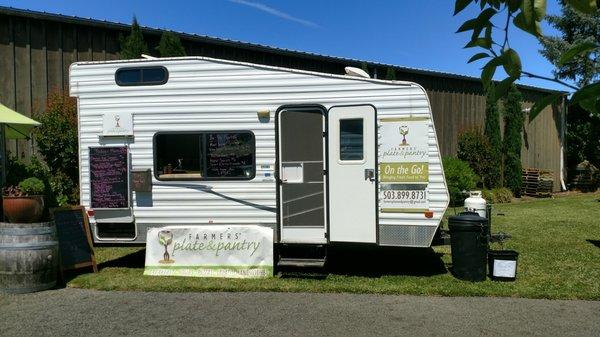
(74, 238)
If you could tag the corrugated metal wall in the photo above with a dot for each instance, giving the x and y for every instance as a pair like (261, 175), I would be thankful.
(36, 50)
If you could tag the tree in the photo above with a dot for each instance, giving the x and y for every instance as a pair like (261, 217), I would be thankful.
(475, 149)
(133, 46)
(575, 28)
(582, 142)
(527, 16)
(514, 118)
(492, 133)
(58, 144)
(363, 66)
(170, 45)
(390, 74)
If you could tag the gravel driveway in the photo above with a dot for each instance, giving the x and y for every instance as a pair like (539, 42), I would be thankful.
(75, 312)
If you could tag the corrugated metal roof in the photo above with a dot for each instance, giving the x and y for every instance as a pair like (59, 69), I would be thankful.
(240, 44)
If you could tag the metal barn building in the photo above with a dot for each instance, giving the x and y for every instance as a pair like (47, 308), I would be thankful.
(37, 48)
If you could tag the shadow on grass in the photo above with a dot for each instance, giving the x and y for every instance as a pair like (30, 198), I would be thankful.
(133, 260)
(375, 261)
(594, 242)
(348, 260)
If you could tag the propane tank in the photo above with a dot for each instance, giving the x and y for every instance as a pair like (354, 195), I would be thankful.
(476, 203)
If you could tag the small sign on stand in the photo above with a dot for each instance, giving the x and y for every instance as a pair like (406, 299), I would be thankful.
(74, 238)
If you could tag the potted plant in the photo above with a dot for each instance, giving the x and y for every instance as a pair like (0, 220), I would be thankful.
(24, 203)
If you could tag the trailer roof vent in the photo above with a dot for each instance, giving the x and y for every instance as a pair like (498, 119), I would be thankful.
(352, 71)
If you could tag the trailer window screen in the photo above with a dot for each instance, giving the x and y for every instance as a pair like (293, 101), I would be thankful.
(204, 155)
(351, 139)
(142, 76)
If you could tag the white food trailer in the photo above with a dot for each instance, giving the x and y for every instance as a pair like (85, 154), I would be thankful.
(319, 158)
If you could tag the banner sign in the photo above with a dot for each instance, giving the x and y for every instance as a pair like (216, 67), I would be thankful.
(404, 164)
(210, 251)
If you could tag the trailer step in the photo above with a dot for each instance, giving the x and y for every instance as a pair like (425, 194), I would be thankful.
(300, 263)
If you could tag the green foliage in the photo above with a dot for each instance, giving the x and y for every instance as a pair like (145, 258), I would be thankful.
(582, 141)
(363, 66)
(578, 23)
(492, 132)
(541, 104)
(17, 170)
(584, 6)
(170, 45)
(475, 150)
(58, 144)
(133, 46)
(58, 190)
(459, 178)
(498, 195)
(57, 136)
(514, 119)
(575, 56)
(32, 186)
(572, 51)
(390, 74)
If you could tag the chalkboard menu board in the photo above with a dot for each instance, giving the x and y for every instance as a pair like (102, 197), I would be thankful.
(230, 154)
(109, 177)
(74, 238)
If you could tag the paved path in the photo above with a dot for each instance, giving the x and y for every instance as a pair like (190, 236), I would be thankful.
(73, 312)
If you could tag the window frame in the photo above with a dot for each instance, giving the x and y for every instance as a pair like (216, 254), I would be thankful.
(339, 150)
(141, 83)
(203, 132)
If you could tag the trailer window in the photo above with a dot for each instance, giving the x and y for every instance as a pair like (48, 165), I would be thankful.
(141, 76)
(351, 139)
(204, 155)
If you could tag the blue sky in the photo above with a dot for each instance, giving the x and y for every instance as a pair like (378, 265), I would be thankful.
(409, 33)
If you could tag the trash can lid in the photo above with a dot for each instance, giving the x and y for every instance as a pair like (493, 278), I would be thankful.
(466, 221)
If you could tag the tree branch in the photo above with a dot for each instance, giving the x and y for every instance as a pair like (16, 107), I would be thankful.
(508, 16)
(530, 75)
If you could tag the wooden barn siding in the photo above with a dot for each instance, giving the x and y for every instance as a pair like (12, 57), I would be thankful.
(35, 55)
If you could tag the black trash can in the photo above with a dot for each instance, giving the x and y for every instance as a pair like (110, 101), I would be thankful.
(469, 244)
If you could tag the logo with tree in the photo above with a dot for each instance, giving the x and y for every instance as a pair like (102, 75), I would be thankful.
(403, 130)
(165, 238)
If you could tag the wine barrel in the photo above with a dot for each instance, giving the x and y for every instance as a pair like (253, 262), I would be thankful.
(28, 257)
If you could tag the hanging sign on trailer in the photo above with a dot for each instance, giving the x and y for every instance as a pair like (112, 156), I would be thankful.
(404, 165)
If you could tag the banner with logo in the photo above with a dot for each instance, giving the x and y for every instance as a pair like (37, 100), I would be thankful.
(210, 251)
(404, 164)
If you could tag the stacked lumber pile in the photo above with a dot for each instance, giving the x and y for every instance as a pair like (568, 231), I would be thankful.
(537, 183)
(584, 177)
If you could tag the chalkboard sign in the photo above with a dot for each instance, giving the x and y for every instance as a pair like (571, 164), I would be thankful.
(109, 177)
(230, 154)
(74, 238)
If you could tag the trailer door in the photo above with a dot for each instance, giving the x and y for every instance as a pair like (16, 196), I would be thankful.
(301, 179)
(352, 174)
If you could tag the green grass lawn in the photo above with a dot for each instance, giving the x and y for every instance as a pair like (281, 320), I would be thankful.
(558, 241)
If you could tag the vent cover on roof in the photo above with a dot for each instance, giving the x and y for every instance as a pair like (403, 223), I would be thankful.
(352, 71)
